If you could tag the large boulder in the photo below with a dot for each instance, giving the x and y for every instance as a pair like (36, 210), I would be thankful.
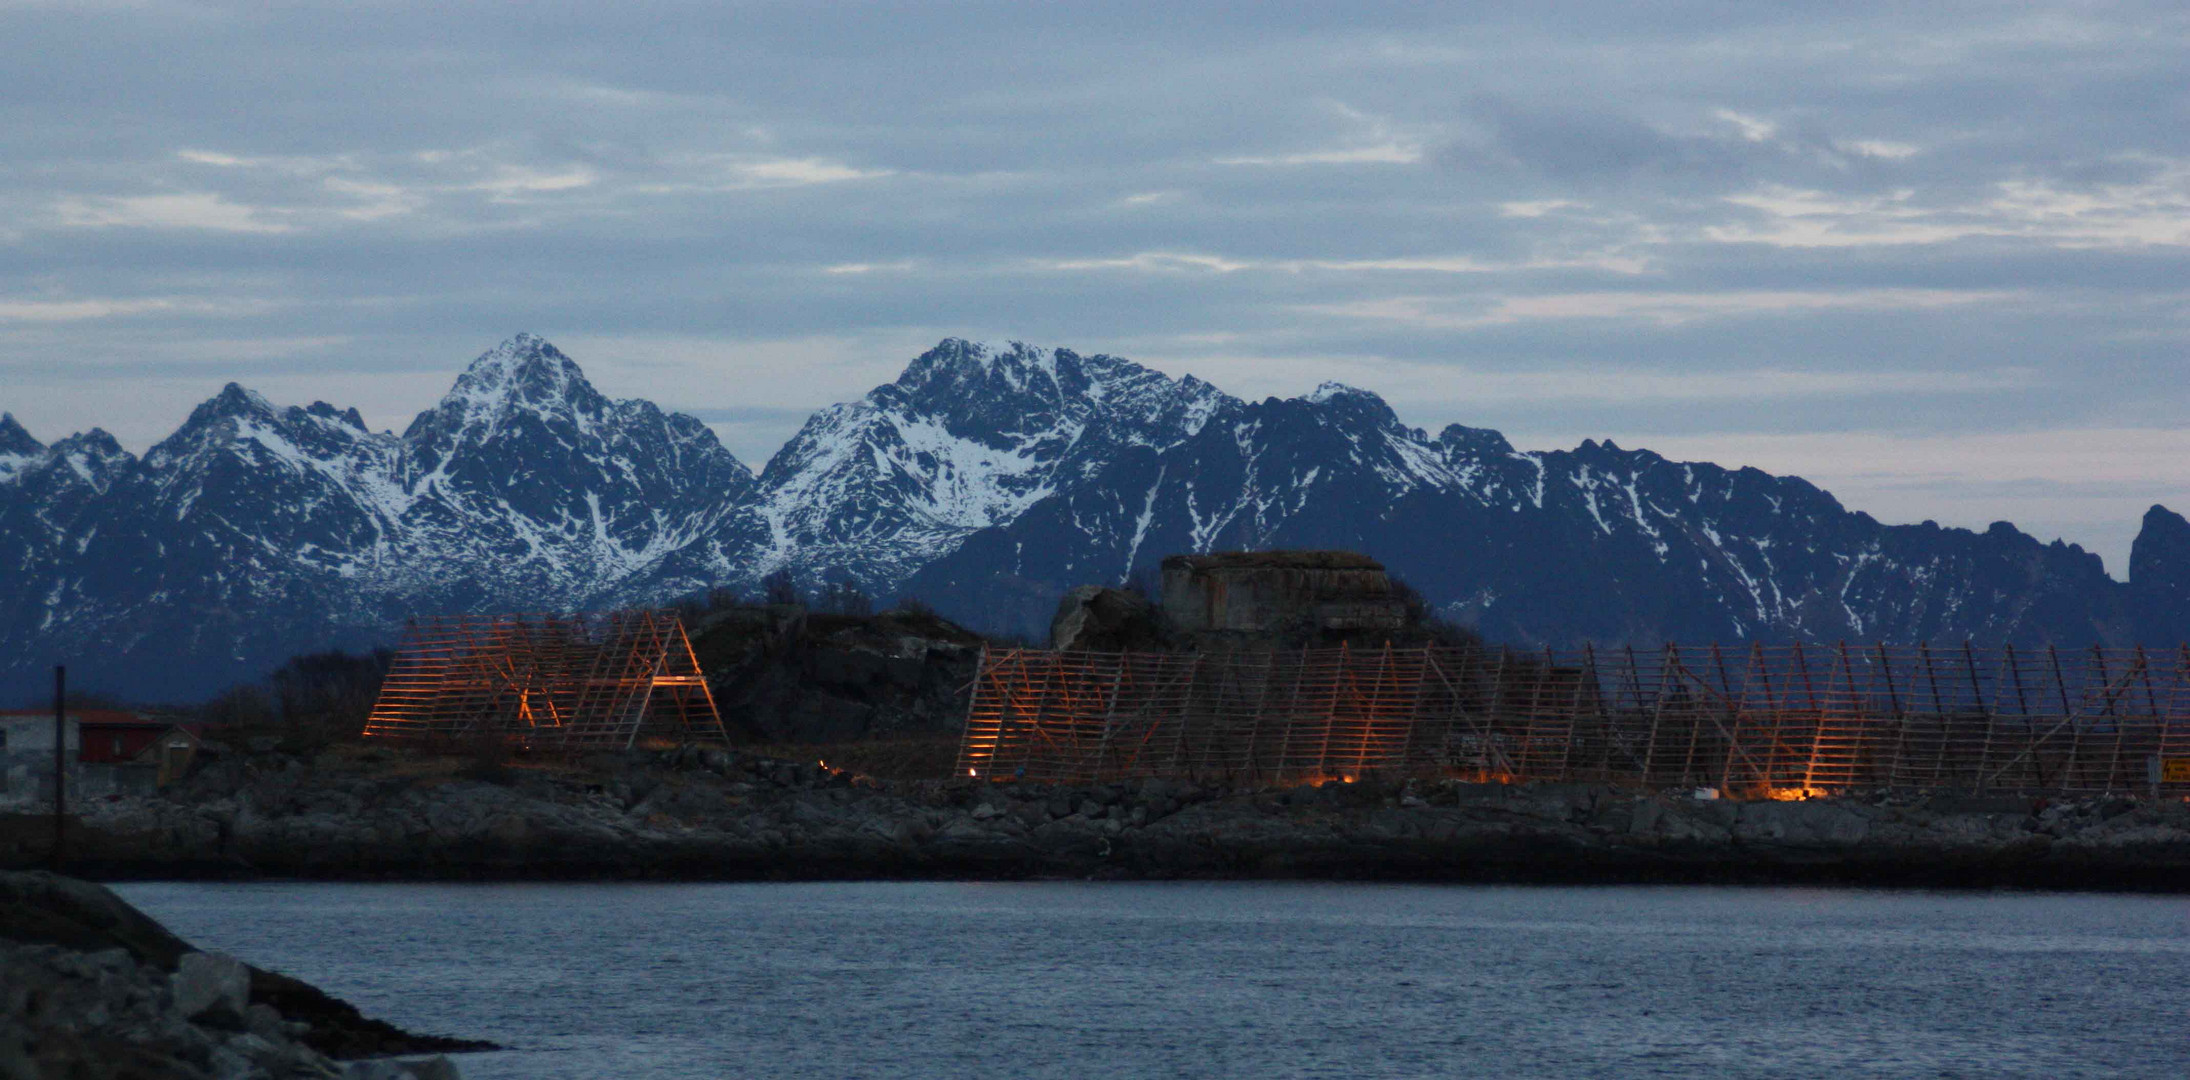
(105, 1015)
(1092, 618)
(784, 674)
(211, 984)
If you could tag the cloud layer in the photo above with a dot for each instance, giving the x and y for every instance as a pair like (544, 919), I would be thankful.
(1779, 238)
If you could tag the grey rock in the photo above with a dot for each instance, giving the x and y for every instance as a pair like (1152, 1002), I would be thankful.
(1812, 822)
(1094, 618)
(228, 1064)
(265, 1022)
(211, 983)
(435, 1068)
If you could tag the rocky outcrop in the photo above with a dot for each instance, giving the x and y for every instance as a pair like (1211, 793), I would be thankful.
(2159, 577)
(784, 673)
(714, 815)
(1094, 618)
(48, 909)
(92, 988)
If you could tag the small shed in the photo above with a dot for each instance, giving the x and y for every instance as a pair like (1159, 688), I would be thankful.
(171, 749)
(111, 736)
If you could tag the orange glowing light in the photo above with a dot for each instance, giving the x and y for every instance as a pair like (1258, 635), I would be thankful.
(1793, 794)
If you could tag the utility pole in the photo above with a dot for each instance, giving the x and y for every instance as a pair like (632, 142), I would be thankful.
(60, 764)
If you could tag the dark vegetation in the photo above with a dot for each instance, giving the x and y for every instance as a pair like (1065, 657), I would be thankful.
(1429, 626)
(306, 704)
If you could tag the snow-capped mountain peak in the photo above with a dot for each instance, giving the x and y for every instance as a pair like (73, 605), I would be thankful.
(1327, 391)
(523, 376)
(524, 370)
(90, 458)
(232, 401)
(985, 479)
(15, 441)
(18, 450)
(968, 437)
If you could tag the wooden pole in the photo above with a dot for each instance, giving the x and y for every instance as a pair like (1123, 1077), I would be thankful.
(60, 765)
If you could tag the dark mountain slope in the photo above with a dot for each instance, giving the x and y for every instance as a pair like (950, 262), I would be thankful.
(985, 479)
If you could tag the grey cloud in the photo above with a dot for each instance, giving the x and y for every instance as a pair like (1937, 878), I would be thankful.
(412, 182)
(1591, 148)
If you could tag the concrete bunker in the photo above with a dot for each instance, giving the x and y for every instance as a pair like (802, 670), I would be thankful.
(1251, 596)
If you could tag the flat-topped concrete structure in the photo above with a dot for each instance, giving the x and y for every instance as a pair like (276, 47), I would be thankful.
(1254, 593)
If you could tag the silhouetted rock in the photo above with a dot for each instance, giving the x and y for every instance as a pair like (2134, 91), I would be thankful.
(1098, 619)
(783, 673)
(91, 987)
(2159, 577)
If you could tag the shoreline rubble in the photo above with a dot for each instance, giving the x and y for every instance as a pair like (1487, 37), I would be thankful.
(91, 987)
(712, 815)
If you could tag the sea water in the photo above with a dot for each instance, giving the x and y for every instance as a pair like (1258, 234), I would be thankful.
(1051, 979)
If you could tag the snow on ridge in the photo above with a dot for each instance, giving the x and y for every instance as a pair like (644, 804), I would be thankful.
(493, 383)
(911, 472)
(1329, 389)
(990, 353)
(15, 465)
(621, 502)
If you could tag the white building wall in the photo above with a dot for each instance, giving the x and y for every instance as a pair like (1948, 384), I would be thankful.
(28, 735)
(26, 760)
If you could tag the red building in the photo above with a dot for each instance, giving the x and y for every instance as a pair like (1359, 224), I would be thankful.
(110, 737)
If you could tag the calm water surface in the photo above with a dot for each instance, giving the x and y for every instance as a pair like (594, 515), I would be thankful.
(942, 980)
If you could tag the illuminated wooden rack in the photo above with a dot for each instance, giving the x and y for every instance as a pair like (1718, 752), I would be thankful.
(1760, 721)
(546, 681)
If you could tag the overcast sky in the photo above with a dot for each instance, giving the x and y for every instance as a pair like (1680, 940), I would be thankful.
(1931, 256)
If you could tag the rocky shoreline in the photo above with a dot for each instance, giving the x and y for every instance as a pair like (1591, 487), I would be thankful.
(90, 987)
(350, 814)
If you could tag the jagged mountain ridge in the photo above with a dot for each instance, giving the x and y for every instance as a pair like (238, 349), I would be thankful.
(255, 532)
(985, 479)
(967, 438)
(1597, 544)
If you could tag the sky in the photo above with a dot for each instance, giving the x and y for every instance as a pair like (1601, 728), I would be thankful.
(1933, 257)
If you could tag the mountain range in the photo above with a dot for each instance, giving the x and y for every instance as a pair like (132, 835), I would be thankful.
(986, 480)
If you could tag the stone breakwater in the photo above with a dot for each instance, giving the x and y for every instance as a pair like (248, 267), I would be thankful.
(713, 815)
(103, 1014)
(91, 988)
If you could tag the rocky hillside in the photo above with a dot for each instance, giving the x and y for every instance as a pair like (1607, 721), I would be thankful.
(986, 480)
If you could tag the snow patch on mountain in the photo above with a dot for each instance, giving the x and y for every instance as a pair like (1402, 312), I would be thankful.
(987, 478)
(967, 438)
